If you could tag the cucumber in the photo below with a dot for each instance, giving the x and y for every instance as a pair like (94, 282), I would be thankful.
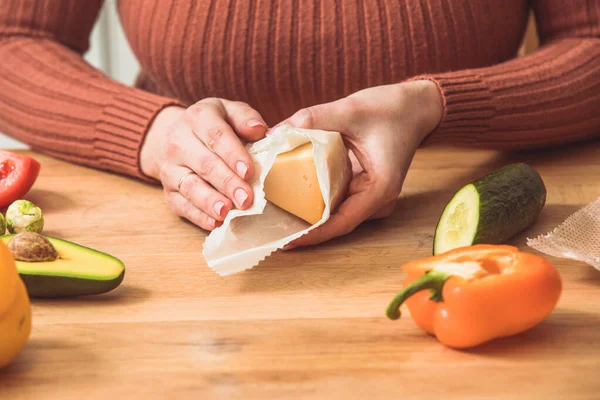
(491, 209)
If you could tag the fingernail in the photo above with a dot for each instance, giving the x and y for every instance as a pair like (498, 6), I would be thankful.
(240, 197)
(288, 247)
(241, 168)
(218, 207)
(210, 221)
(255, 122)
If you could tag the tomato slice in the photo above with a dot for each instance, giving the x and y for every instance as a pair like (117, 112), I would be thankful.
(18, 173)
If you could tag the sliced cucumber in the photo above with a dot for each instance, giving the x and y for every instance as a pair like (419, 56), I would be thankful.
(491, 209)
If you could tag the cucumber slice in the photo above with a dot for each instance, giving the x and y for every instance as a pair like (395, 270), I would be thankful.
(491, 209)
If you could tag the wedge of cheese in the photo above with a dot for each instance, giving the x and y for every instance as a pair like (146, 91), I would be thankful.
(292, 184)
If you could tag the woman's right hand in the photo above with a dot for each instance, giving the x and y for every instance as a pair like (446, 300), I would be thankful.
(200, 160)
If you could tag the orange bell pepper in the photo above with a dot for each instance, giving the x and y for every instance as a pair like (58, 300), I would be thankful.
(471, 295)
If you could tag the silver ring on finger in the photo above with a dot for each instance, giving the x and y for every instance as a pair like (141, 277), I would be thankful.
(182, 179)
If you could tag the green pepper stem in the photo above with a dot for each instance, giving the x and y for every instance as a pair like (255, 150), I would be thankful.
(432, 280)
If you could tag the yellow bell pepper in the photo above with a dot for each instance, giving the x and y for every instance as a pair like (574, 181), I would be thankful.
(15, 309)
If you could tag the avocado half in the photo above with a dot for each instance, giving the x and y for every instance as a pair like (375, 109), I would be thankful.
(79, 271)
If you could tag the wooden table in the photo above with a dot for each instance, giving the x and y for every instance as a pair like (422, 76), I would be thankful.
(305, 324)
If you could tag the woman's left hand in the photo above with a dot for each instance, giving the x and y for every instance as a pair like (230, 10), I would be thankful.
(382, 126)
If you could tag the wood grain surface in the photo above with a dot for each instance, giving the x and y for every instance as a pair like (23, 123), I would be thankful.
(303, 324)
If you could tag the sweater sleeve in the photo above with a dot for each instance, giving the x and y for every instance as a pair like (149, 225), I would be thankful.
(54, 101)
(546, 98)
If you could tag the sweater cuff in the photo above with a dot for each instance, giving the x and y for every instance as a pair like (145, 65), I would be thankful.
(122, 127)
(467, 108)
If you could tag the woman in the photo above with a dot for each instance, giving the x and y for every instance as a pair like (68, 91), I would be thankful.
(388, 74)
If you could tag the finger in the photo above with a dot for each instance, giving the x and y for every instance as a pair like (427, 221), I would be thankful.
(197, 191)
(356, 166)
(335, 116)
(207, 120)
(213, 170)
(245, 120)
(182, 207)
(193, 154)
(349, 215)
(385, 211)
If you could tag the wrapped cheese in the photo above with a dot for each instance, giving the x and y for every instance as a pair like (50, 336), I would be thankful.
(310, 176)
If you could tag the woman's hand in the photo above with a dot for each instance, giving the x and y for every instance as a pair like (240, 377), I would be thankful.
(383, 126)
(198, 156)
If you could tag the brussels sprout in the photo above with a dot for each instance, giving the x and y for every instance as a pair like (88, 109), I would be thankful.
(24, 216)
(2, 225)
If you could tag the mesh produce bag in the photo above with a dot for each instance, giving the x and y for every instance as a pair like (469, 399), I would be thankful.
(577, 238)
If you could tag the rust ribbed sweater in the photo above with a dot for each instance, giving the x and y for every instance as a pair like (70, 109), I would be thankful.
(282, 55)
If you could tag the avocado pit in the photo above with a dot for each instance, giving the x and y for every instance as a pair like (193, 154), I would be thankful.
(32, 247)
